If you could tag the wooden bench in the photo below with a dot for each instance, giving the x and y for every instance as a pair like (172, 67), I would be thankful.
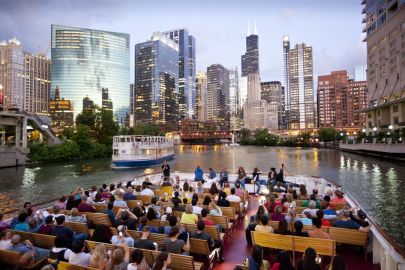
(99, 207)
(146, 200)
(12, 258)
(294, 243)
(213, 231)
(200, 248)
(348, 236)
(67, 266)
(181, 262)
(99, 218)
(38, 240)
(159, 238)
(154, 223)
(230, 213)
(77, 227)
(223, 221)
(133, 203)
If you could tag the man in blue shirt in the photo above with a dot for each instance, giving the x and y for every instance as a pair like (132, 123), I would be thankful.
(27, 247)
(212, 174)
(198, 174)
(345, 222)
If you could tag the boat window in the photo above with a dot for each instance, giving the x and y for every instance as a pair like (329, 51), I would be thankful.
(132, 139)
(122, 139)
(128, 140)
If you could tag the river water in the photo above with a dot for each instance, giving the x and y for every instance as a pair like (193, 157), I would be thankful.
(378, 185)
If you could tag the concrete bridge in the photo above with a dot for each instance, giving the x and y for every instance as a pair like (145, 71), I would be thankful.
(15, 155)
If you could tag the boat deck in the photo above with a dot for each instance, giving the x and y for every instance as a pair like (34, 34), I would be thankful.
(237, 249)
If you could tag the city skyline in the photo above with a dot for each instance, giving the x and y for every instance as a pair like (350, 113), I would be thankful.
(225, 22)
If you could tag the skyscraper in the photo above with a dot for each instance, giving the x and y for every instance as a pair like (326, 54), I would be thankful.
(60, 110)
(156, 81)
(187, 70)
(106, 102)
(301, 88)
(234, 97)
(218, 109)
(286, 58)
(250, 60)
(339, 99)
(37, 70)
(201, 97)
(12, 81)
(84, 61)
(273, 92)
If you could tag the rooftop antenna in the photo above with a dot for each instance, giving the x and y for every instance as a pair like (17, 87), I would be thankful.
(248, 33)
(255, 28)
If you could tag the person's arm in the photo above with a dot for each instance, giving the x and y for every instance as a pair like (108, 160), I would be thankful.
(126, 250)
(186, 247)
(364, 229)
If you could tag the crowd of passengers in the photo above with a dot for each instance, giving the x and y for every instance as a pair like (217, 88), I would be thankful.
(69, 246)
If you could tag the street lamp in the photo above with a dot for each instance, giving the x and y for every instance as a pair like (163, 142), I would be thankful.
(363, 130)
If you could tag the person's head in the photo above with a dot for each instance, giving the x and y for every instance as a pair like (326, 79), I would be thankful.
(15, 239)
(60, 220)
(55, 209)
(233, 191)
(222, 195)
(117, 256)
(151, 214)
(339, 194)
(194, 202)
(110, 205)
(324, 204)
(303, 190)
(62, 199)
(101, 232)
(320, 214)
(337, 263)
(213, 189)
(204, 212)
(237, 184)
(143, 221)
(271, 198)
(98, 197)
(174, 231)
(292, 212)
(169, 210)
(112, 187)
(98, 254)
(153, 200)
(186, 186)
(162, 260)
(312, 197)
(27, 205)
(200, 225)
(283, 226)
(312, 204)
(189, 209)
(172, 221)
(317, 222)
(289, 197)
(84, 199)
(309, 260)
(22, 217)
(284, 259)
(78, 246)
(210, 169)
(278, 184)
(265, 220)
(255, 170)
(32, 222)
(326, 198)
(315, 191)
(298, 226)
(145, 231)
(61, 242)
(74, 212)
(48, 267)
(124, 216)
(257, 254)
(207, 200)
(137, 256)
(361, 214)
(278, 209)
(5, 235)
(130, 189)
(185, 200)
(212, 206)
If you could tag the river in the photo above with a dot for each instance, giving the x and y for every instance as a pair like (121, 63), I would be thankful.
(378, 185)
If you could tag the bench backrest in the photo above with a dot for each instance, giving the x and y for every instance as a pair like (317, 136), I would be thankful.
(99, 218)
(220, 220)
(133, 203)
(99, 207)
(229, 212)
(39, 240)
(236, 206)
(77, 227)
(146, 200)
(9, 257)
(348, 236)
(199, 246)
(272, 240)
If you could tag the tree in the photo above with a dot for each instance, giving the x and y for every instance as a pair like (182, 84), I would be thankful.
(263, 137)
(83, 138)
(245, 136)
(105, 126)
(147, 129)
(327, 134)
(87, 118)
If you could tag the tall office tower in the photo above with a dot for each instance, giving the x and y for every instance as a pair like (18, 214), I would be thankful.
(273, 92)
(60, 110)
(12, 74)
(187, 70)
(250, 60)
(360, 73)
(106, 102)
(87, 103)
(385, 31)
(131, 104)
(218, 109)
(301, 88)
(234, 97)
(37, 70)
(286, 58)
(201, 97)
(242, 90)
(156, 82)
(339, 100)
(84, 61)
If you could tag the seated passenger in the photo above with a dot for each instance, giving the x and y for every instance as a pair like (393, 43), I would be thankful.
(144, 242)
(338, 198)
(204, 213)
(75, 216)
(320, 215)
(196, 209)
(122, 237)
(311, 208)
(138, 261)
(256, 261)
(26, 247)
(22, 224)
(47, 227)
(101, 234)
(78, 256)
(5, 240)
(214, 209)
(84, 206)
(263, 226)
(212, 174)
(222, 201)
(212, 244)
(282, 228)
(147, 191)
(277, 216)
(188, 217)
(175, 245)
(126, 218)
(309, 260)
(60, 251)
(344, 221)
(317, 232)
(99, 257)
(110, 212)
(298, 226)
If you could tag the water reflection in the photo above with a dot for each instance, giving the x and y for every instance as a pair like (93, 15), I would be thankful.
(376, 184)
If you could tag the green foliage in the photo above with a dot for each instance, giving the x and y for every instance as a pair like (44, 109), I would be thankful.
(263, 137)
(245, 136)
(105, 127)
(327, 134)
(87, 118)
(147, 129)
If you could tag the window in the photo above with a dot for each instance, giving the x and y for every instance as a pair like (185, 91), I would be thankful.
(396, 120)
(378, 113)
(395, 108)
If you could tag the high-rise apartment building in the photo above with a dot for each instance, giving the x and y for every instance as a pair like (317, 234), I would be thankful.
(201, 97)
(156, 81)
(234, 98)
(301, 88)
(12, 74)
(37, 70)
(84, 61)
(385, 30)
(273, 92)
(339, 100)
(250, 60)
(286, 58)
(187, 70)
(218, 109)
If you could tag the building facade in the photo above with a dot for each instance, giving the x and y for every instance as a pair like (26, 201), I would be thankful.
(106, 102)
(273, 92)
(218, 109)
(37, 70)
(301, 88)
(60, 111)
(12, 74)
(385, 37)
(156, 81)
(250, 60)
(286, 58)
(234, 98)
(187, 71)
(84, 61)
(201, 97)
(339, 100)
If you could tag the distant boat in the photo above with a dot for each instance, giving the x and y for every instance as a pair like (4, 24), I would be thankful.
(140, 151)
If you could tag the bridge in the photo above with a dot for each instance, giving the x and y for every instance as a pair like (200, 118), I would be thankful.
(190, 136)
(15, 155)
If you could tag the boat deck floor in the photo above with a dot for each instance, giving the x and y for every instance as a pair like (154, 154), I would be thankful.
(236, 249)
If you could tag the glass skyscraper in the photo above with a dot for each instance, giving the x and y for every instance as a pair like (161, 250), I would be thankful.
(84, 61)
(187, 70)
(250, 60)
(156, 81)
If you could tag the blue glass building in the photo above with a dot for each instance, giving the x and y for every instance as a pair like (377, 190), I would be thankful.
(156, 84)
(187, 70)
(84, 61)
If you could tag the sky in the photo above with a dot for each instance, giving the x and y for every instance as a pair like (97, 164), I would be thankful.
(332, 28)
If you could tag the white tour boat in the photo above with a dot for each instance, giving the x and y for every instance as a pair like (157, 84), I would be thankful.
(140, 151)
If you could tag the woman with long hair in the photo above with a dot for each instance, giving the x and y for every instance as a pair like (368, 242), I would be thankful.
(282, 228)
(214, 209)
(214, 189)
(207, 200)
(138, 261)
(261, 211)
(162, 261)
(98, 257)
(255, 261)
(102, 233)
(337, 263)
(309, 261)
(283, 262)
(119, 259)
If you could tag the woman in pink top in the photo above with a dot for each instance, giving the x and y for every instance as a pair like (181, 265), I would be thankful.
(338, 198)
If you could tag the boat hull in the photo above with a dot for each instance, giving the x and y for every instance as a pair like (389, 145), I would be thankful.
(122, 164)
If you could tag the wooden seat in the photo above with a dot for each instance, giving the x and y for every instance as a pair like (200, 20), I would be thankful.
(154, 223)
(158, 193)
(272, 240)
(133, 203)
(12, 258)
(337, 206)
(322, 246)
(199, 246)
(146, 200)
(230, 213)
(178, 214)
(38, 240)
(99, 207)
(77, 227)
(67, 266)
(221, 220)
(99, 218)
(181, 262)
(236, 206)
(348, 236)
(159, 238)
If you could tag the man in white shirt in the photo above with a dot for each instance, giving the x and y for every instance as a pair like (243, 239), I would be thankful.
(5, 241)
(147, 191)
(78, 256)
(196, 208)
(235, 198)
